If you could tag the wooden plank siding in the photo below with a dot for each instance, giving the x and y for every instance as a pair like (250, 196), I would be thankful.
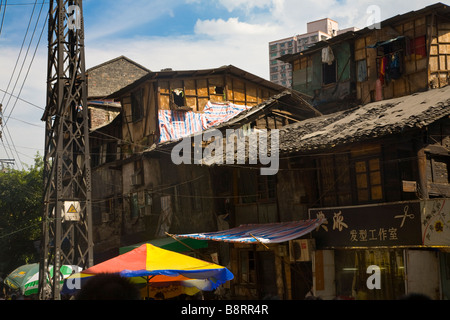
(197, 91)
(422, 42)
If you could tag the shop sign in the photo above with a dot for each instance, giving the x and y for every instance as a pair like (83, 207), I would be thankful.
(394, 224)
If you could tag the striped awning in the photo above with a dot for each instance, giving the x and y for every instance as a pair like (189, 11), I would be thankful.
(263, 233)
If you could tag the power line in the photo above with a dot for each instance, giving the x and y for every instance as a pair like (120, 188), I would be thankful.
(22, 4)
(31, 62)
(23, 100)
(20, 53)
(12, 75)
(22, 66)
(3, 16)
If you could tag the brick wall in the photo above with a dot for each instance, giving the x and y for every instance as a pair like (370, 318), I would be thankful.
(112, 76)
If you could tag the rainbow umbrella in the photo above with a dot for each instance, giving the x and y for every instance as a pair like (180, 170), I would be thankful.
(156, 267)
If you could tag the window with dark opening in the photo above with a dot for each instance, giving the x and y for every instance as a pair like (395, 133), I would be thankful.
(329, 73)
(137, 105)
(220, 90)
(178, 97)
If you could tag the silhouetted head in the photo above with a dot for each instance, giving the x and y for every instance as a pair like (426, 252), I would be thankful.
(108, 287)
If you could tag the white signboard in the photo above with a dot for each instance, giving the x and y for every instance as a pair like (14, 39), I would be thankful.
(72, 211)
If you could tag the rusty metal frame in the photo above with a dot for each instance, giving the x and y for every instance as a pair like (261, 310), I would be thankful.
(67, 171)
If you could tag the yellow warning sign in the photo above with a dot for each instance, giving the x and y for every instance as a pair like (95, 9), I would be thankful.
(72, 209)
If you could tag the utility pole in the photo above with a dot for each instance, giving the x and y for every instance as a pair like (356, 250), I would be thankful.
(67, 217)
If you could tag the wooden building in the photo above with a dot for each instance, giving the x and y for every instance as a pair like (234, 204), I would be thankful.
(104, 117)
(371, 160)
(379, 176)
(400, 56)
(147, 195)
(242, 195)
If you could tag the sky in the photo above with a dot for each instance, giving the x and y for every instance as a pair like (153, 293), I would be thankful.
(158, 34)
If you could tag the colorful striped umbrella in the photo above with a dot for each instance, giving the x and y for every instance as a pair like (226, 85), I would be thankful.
(25, 279)
(156, 267)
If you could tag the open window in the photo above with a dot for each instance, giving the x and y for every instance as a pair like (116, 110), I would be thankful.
(390, 57)
(329, 73)
(178, 98)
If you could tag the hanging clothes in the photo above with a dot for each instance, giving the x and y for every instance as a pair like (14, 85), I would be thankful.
(383, 67)
(394, 66)
(327, 55)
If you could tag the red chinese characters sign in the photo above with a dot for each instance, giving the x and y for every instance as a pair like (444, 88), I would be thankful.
(397, 224)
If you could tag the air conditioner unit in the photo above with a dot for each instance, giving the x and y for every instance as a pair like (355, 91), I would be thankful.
(301, 250)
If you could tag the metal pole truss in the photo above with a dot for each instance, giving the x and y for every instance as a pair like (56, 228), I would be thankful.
(67, 217)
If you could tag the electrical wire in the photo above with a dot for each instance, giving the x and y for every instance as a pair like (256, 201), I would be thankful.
(31, 62)
(21, 69)
(3, 15)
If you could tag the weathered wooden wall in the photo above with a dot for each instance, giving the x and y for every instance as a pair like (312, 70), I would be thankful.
(437, 153)
(439, 58)
(424, 54)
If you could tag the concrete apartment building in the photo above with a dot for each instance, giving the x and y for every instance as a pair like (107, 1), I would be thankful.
(280, 72)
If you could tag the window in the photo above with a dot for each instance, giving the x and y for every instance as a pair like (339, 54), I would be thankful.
(361, 67)
(368, 180)
(134, 205)
(329, 72)
(219, 90)
(266, 187)
(178, 97)
(334, 180)
(137, 105)
(247, 267)
(390, 56)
